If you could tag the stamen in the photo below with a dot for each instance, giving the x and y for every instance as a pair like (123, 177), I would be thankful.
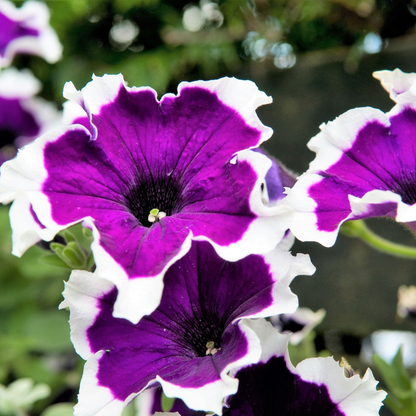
(155, 215)
(211, 350)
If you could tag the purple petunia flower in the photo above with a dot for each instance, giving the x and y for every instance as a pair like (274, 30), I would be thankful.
(273, 386)
(299, 323)
(150, 176)
(26, 30)
(365, 167)
(23, 117)
(191, 342)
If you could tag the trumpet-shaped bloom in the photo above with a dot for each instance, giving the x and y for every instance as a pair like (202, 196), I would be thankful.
(365, 167)
(274, 387)
(23, 117)
(150, 176)
(26, 30)
(191, 342)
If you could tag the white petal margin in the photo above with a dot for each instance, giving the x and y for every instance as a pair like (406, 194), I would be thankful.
(400, 85)
(80, 295)
(335, 138)
(304, 225)
(95, 400)
(269, 228)
(303, 316)
(26, 231)
(354, 396)
(144, 402)
(137, 295)
(18, 84)
(284, 268)
(241, 95)
(363, 205)
(23, 176)
(210, 397)
(341, 134)
(34, 15)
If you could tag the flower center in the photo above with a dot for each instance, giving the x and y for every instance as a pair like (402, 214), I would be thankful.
(201, 335)
(143, 197)
(211, 350)
(156, 215)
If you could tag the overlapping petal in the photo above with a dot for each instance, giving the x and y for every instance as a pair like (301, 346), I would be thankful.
(364, 167)
(184, 155)
(26, 30)
(273, 386)
(191, 342)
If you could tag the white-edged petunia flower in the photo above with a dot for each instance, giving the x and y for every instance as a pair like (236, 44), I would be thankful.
(149, 177)
(364, 167)
(26, 30)
(273, 386)
(192, 342)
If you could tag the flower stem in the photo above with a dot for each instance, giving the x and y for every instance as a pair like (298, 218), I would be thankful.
(359, 229)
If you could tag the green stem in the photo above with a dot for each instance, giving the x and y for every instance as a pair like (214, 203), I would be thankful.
(358, 229)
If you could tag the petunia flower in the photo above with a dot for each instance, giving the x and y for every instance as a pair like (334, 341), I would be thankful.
(364, 167)
(23, 117)
(300, 323)
(26, 30)
(150, 176)
(191, 342)
(273, 386)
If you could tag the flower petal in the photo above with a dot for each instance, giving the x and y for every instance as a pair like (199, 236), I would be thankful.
(363, 168)
(204, 300)
(184, 155)
(27, 30)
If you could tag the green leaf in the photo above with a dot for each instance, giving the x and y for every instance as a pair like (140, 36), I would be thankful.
(69, 237)
(395, 374)
(87, 232)
(48, 331)
(53, 260)
(401, 399)
(167, 403)
(60, 409)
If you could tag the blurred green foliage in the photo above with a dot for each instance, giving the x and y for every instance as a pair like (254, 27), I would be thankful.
(150, 42)
(163, 50)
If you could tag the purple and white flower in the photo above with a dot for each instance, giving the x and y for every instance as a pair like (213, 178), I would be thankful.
(23, 117)
(299, 323)
(150, 176)
(364, 167)
(191, 342)
(26, 30)
(273, 386)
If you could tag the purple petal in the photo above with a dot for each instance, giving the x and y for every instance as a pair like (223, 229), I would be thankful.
(204, 300)
(183, 155)
(273, 386)
(27, 30)
(364, 168)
